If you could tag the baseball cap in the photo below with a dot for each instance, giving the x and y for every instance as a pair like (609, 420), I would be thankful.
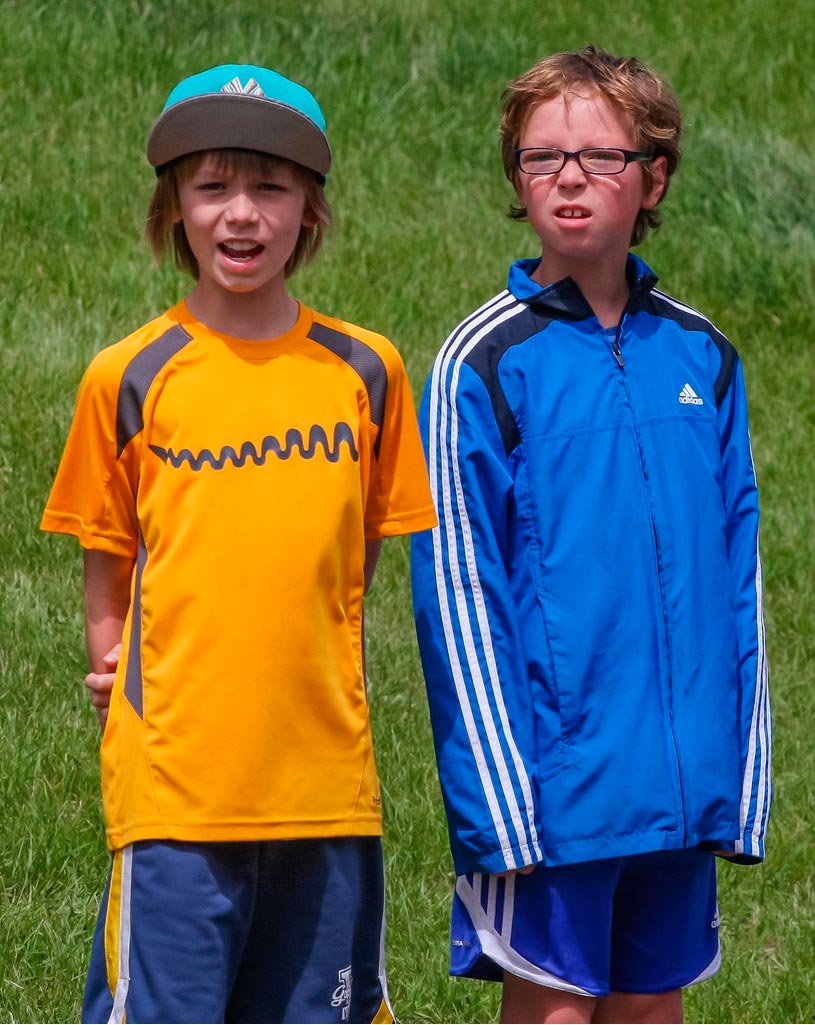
(241, 106)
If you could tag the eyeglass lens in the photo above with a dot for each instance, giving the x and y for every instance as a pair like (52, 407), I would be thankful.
(593, 161)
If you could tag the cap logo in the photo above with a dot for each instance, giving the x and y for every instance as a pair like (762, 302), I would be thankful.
(236, 86)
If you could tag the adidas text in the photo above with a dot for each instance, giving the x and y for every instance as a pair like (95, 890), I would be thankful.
(688, 397)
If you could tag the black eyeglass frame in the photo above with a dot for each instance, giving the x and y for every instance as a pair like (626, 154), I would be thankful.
(629, 156)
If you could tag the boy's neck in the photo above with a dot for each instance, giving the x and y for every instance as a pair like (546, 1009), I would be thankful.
(252, 316)
(603, 283)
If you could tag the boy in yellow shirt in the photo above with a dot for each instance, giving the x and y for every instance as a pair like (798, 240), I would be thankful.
(230, 473)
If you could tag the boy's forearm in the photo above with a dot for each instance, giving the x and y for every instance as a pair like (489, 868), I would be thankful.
(107, 599)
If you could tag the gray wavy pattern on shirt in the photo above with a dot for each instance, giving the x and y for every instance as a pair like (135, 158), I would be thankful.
(270, 445)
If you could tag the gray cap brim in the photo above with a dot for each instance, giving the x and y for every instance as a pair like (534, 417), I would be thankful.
(232, 121)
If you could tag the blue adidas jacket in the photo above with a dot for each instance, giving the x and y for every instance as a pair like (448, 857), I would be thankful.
(589, 610)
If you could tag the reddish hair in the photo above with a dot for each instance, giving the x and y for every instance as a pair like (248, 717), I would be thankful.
(633, 89)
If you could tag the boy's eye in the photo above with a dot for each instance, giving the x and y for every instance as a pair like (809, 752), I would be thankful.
(602, 156)
(542, 159)
(270, 187)
(211, 186)
(600, 161)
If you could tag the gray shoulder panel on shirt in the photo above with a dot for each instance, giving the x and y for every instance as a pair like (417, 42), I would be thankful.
(361, 357)
(137, 378)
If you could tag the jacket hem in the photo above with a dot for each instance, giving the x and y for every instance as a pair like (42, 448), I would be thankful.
(577, 851)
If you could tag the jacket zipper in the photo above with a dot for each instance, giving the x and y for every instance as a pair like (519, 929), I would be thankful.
(618, 356)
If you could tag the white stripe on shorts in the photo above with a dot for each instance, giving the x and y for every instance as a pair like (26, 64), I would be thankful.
(117, 1015)
(711, 969)
(383, 977)
(497, 944)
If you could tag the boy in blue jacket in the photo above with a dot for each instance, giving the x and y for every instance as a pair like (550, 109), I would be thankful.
(589, 608)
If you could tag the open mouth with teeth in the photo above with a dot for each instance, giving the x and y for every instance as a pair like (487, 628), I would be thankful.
(241, 252)
(572, 213)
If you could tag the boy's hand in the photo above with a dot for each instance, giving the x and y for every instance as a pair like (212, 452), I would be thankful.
(525, 871)
(100, 684)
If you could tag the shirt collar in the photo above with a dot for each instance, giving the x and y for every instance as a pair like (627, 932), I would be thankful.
(564, 296)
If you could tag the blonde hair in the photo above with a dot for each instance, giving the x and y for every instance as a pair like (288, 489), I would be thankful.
(633, 89)
(163, 230)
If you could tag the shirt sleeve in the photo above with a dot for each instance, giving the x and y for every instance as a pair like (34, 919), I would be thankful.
(468, 629)
(399, 500)
(94, 493)
(741, 507)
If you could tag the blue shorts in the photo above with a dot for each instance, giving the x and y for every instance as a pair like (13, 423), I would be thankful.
(642, 924)
(276, 931)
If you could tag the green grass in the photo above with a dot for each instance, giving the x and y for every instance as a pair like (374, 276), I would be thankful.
(412, 95)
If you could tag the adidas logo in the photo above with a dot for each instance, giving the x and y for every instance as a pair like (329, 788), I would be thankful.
(688, 397)
(236, 86)
(716, 920)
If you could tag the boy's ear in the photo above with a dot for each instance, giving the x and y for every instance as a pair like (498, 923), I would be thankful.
(659, 179)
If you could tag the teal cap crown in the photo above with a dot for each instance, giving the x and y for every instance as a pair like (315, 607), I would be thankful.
(241, 106)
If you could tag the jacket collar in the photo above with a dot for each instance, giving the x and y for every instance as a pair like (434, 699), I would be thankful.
(564, 298)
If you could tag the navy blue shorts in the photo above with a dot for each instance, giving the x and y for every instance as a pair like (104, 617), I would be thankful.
(276, 931)
(642, 924)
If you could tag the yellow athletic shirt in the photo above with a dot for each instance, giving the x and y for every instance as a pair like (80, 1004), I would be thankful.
(244, 478)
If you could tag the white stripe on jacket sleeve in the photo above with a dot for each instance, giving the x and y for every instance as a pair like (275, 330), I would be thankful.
(446, 479)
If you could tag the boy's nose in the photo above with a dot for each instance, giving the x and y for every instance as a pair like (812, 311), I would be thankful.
(241, 207)
(571, 173)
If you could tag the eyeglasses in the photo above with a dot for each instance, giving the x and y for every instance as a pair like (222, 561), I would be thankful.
(597, 160)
